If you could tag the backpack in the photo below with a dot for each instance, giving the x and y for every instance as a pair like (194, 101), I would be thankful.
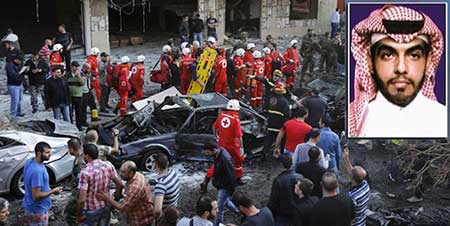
(112, 77)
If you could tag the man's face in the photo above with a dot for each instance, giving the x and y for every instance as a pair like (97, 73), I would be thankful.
(35, 57)
(45, 155)
(125, 173)
(213, 210)
(4, 213)
(48, 42)
(86, 69)
(400, 69)
(61, 29)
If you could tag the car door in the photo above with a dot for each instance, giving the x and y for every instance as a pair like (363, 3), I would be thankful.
(195, 133)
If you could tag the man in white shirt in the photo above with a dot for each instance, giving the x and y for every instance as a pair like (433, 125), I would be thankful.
(397, 51)
(335, 20)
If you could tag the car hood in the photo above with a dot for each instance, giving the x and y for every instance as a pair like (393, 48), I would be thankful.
(31, 139)
(51, 127)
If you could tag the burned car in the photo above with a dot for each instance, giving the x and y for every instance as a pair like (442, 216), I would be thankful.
(178, 127)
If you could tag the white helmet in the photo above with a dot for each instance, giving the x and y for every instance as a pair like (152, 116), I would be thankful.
(233, 105)
(186, 51)
(184, 45)
(240, 52)
(250, 45)
(266, 50)
(94, 51)
(212, 40)
(196, 43)
(124, 60)
(293, 42)
(57, 47)
(140, 58)
(257, 54)
(166, 48)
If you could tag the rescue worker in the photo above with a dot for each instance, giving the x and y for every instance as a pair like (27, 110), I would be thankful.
(196, 51)
(248, 56)
(277, 58)
(165, 60)
(56, 60)
(277, 110)
(137, 79)
(240, 73)
(269, 84)
(307, 52)
(267, 63)
(227, 129)
(291, 58)
(92, 60)
(220, 67)
(212, 42)
(256, 86)
(124, 85)
(186, 75)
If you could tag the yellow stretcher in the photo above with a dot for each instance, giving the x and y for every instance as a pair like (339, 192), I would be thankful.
(204, 68)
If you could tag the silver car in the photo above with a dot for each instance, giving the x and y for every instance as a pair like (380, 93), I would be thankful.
(17, 146)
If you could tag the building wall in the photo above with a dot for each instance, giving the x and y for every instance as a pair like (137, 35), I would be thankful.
(275, 19)
(99, 24)
(217, 9)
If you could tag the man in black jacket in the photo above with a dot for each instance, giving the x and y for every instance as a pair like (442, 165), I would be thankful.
(282, 193)
(57, 93)
(312, 170)
(303, 202)
(197, 28)
(38, 70)
(223, 179)
(15, 85)
(317, 107)
(183, 29)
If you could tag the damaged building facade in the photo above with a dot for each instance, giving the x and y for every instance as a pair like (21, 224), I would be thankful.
(111, 23)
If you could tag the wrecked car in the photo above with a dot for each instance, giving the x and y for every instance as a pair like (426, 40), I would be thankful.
(178, 132)
(18, 146)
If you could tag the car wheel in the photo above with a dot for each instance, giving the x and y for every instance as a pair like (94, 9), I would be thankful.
(18, 184)
(148, 161)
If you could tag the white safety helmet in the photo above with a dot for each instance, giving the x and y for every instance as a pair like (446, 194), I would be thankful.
(196, 43)
(293, 42)
(124, 60)
(250, 45)
(266, 50)
(57, 47)
(94, 51)
(212, 40)
(240, 52)
(186, 51)
(233, 105)
(257, 54)
(166, 48)
(140, 58)
(184, 45)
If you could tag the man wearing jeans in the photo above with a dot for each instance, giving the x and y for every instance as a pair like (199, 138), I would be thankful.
(15, 82)
(197, 28)
(95, 179)
(223, 179)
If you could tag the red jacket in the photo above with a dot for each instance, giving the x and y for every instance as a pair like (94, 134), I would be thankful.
(55, 58)
(268, 66)
(137, 75)
(185, 67)
(228, 127)
(248, 58)
(221, 69)
(259, 67)
(124, 84)
(165, 60)
(292, 54)
(92, 60)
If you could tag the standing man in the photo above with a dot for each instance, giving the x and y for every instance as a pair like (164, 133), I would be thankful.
(268, 60)
(227, 129)
(304, 202)
(206, 210)
(307, 52)
(93, 61)
(240, 73)
(13, 52)
(335, 20)
(317, 106)
(282, 193)
(104, 67)
(65, 39)
(257, 86)
(38, 70)
(76, 84)
(185, 69)
(302, 150)
(220, 67)
(330, 144)
(138, 203)
(88, 96)
(165, 61)
(248, 55)
(167, 188)
(124, 85)
(197, 28)
(45, 51)
(312, 170)
(212, 25)
(183, 29)
(58, 96)
(252, 215)
(56, 60)
(360, 190)
(95, 179)
(295, 131)
(223, 179)
(36, 201)
(292, 60)
(15, 81)
(75, 149)
(333, 208)
(137, 78)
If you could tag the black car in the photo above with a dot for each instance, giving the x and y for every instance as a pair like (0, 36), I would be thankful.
(178, 127)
